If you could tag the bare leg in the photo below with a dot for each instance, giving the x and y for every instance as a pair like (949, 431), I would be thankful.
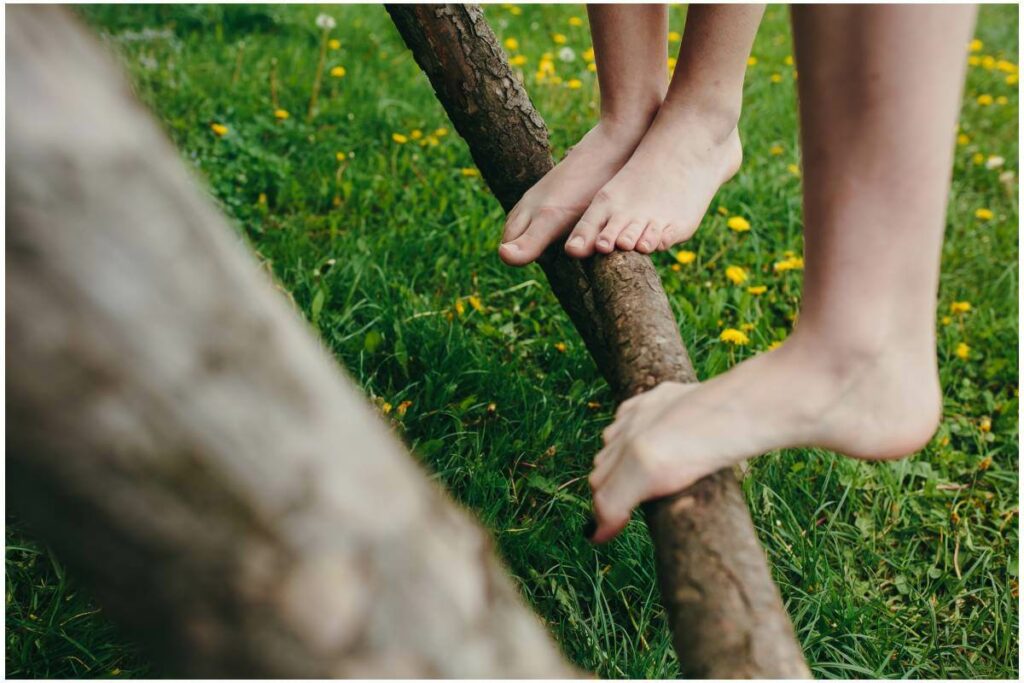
(660, 195)
(631, 51)
(880, 88)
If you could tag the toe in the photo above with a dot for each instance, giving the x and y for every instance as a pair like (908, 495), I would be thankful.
(542, 230)
(581, 241)
(669, 236)
(516, 223)
(629, 236)
(650, 239)
(607, 238)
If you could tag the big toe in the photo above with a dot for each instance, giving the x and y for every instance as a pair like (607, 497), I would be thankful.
(525, 248)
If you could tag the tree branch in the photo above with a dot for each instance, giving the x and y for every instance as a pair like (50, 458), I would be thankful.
(726, 614)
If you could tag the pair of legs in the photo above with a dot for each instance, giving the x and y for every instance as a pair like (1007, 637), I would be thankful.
(879, 90)
(644, 176)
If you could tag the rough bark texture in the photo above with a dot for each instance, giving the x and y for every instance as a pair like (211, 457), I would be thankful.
(181, 438)
(726, 614)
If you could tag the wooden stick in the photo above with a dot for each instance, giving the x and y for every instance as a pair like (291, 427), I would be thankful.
(726, 614)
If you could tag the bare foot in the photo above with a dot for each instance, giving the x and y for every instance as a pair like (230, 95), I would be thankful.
(875, 405)
(552, 206)
(660, 196)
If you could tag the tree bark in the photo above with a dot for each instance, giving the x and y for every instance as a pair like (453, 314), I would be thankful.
(726, 613)
(182, 440)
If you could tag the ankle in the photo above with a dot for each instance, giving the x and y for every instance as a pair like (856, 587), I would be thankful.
(718, 117)
(847, 354)
(630, 120)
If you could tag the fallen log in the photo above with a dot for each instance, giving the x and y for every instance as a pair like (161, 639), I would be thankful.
(183, 441)
(726, 614)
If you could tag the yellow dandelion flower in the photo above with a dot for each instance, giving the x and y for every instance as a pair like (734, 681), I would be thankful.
(556, 80)
(262, 199)
(675, 267)
(984, 100)
(973, 60)
(385, 408)
(960, 307)
(518, 60)
(988, 62)
(736, 275)
(774, 345)
(588, 54)
(559, 39)
(430, 140)
(1012, 79)
(470, 172)
(776, 78)
(985, 424)
(963, 139)
(592, 67)
(334, 44)
(975, 45)
(575, 21)
(560, 347)
(747, 327)
(984, 214)
(946, 320)
(671, 63)
(1002, 99)
(674, 36)
(475, 302)
(219, 129)
(794, 170)
(733, 336)
(460, 308)
(416, 134)
(751, 60)
(574, 84)
(440, 132)
(776, 150)
(402, 408)
(978, 158)
(514, 10)
(722, 210)
(399, 138)
(281, 114)
(340, 156)
(338, 72)
(511, 44)
(757, 290)
(738, 224)
(1006, 66)
(685, 257)
(546, 66)
(963, 351)
(789, 263)
(788, 60)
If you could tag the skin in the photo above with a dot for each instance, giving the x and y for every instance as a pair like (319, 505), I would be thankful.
(880, 90)
(683, 134)
(631, 51)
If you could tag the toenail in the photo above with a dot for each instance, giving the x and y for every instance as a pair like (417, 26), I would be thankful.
(602, 242)
(645, 244)
(576, 241)
(510, 247)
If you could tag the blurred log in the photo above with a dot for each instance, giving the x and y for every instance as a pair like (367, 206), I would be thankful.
(182, 440)
(726, 614)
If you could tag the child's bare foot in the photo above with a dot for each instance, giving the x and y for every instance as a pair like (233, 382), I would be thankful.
(878, 404)
(552, 206)
(659, 197)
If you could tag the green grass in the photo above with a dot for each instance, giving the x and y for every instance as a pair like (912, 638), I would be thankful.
(889, 570)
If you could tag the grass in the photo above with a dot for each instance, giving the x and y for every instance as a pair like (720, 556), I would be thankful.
(904, 569)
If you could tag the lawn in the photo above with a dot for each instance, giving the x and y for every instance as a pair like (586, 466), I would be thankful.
(374, 221)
